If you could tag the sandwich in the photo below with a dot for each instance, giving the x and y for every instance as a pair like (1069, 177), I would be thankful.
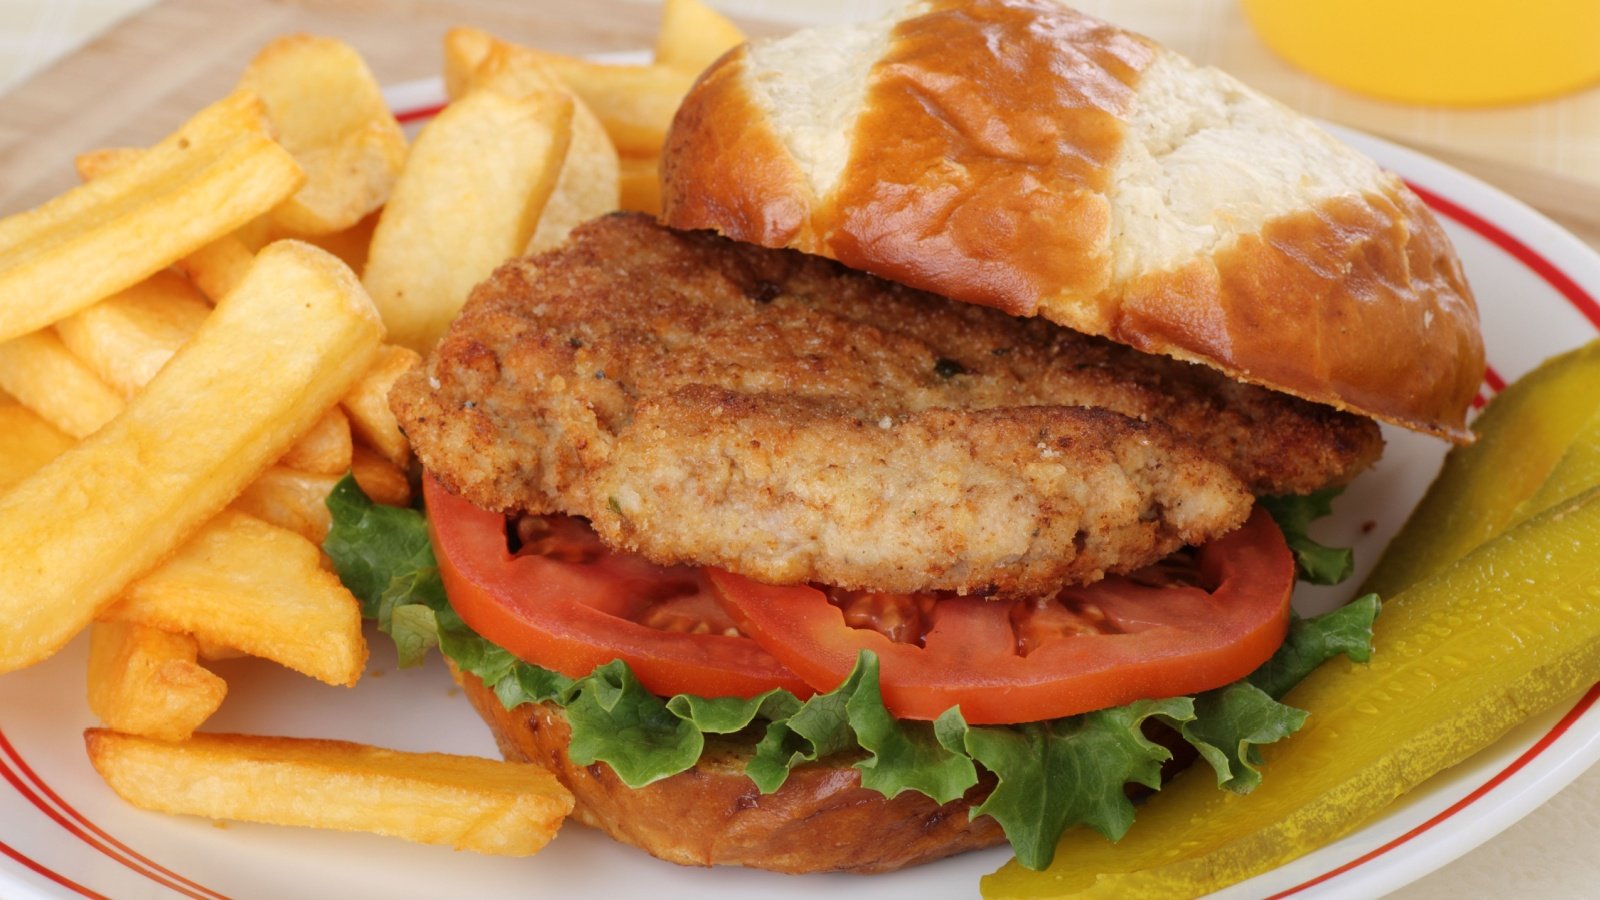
(896, 493)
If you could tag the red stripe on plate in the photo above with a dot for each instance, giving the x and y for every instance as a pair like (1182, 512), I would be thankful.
(110, 847)
(1573, 714)
(1492, 384)
(51, 874)
(406, 116)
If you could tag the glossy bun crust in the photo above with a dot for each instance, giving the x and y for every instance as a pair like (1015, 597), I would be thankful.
(1020, 155)
(821, 820)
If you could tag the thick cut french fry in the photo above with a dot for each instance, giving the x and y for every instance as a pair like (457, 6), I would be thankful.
(270, 359)
(482, 805)
(329, 113)
(588, 183)
(27, 442)
(217, 172)
(635, 103)
(245, 584)
(290, 499)
(325, 449)
(368, 404)
(44, 376)
(127, 337)
(219, 266)
(693, 35)
(146, 681)
(380, 479)
(464, 49)
(94, 164)
(470, 196)
(641, 184)
(350, 244)
(214, 268)
(212, 652)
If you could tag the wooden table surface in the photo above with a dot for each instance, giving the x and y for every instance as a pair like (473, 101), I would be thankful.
(134, 82)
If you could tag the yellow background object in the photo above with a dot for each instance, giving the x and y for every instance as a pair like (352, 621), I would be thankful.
(1452, 52)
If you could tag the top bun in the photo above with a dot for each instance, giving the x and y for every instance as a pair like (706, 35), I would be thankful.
(1020, 155)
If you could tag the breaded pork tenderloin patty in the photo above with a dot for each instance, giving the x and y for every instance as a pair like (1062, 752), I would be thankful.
(720, 404)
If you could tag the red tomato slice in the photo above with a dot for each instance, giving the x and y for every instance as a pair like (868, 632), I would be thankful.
(1173, 629)
(566, 602)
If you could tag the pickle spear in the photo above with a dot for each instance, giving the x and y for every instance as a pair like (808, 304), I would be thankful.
(1521, 437)
(1578, 470)
(1459, 659)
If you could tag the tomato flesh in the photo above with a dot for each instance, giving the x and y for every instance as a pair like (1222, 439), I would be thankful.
(564, 601)
(1163, 632)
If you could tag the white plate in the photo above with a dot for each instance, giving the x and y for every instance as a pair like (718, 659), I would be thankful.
(62, 831)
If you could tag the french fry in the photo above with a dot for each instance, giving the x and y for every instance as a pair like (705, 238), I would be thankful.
(44, 376)
(588, 186)
(211, 652)
(270, 359)
(634, 103)
(290, 499)
(27, 442)
(251, 586)
(147, 682)
(380, 479)
(482, 805)
(367, 404)
(470, 196)
(329, 113)
(464, 49)
(350, 244)
(219, 266)
(92, 164)
(218, 171)
(693, 35)
(214, 268)
(127, 337)
(588, 183)
(641, 184)
(325, 449)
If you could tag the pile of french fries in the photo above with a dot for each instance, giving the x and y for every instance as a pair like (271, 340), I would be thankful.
(197, 343)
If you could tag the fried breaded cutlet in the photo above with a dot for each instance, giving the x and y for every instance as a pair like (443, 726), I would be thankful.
(721, 404)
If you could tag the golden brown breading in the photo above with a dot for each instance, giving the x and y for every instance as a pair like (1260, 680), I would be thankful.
(722, 404)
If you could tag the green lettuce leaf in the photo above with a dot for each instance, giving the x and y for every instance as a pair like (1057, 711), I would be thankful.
(1344, 631)
(1066, 772)
(415, 630)
(1294, 514)
(727, 715)
(817, 728)
(381, 553)
(1050, 775)
(903, 756)
(1230, 724)
(616, 721)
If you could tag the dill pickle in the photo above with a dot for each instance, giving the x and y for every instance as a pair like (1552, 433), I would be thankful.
(1578, 470)
(1522, 436)
(1459, 658)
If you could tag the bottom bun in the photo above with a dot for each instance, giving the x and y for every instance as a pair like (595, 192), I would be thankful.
(821, 820)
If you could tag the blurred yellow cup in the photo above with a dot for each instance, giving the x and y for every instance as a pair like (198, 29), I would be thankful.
(1456, 52)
